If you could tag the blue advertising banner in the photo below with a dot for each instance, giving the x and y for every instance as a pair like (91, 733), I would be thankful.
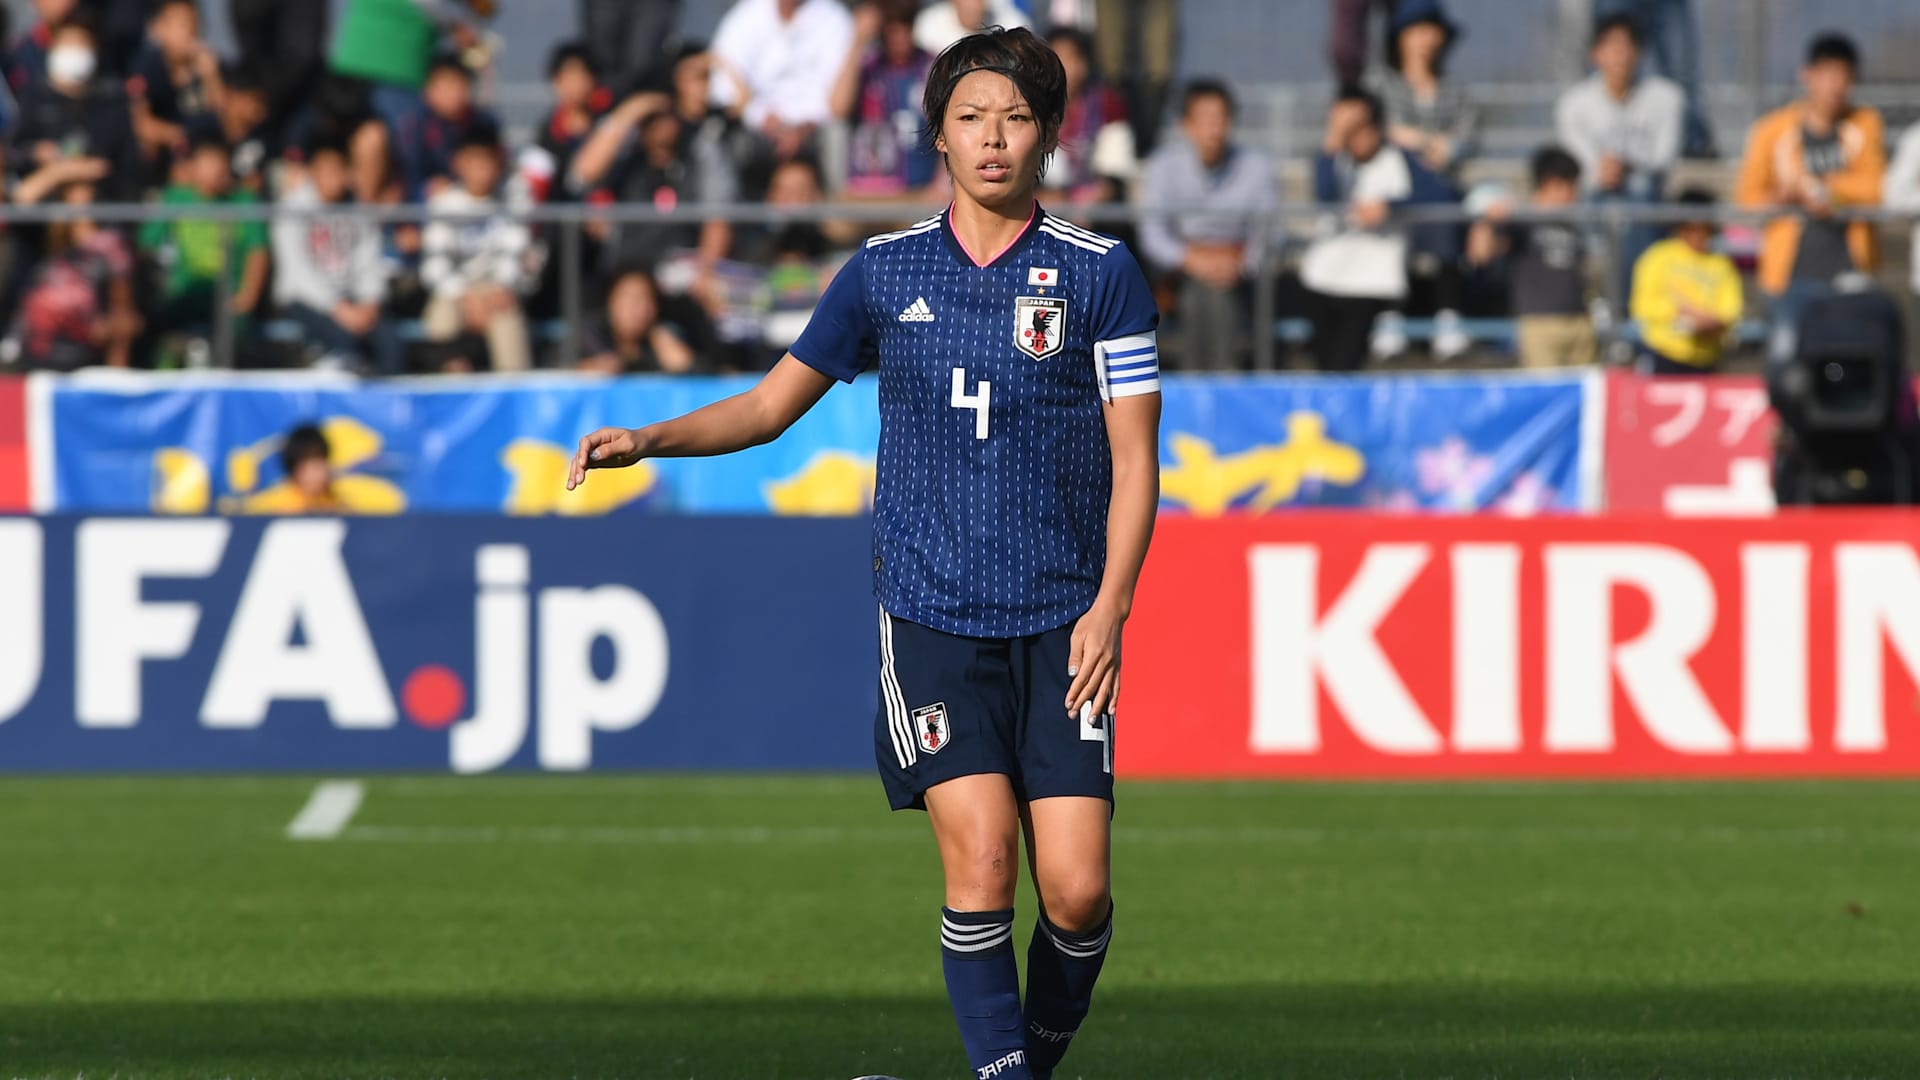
(180, 444)
(436, 643)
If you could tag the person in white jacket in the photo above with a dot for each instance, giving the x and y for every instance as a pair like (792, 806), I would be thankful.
(1901, 188)
(328, 272)
(478, 264)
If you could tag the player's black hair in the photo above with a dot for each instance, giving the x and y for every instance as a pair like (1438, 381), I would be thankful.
(1553, 163)
(162, 5)
(571, 52)
(302, 444)
(1023, 58)
(1833, 46)
(688, 51)
(1208, 87)
(1625, 24)
(1353, 92)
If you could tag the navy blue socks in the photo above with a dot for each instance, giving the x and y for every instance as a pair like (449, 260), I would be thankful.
(983, 983)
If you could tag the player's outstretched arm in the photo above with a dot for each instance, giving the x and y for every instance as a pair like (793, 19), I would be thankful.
(747, 419)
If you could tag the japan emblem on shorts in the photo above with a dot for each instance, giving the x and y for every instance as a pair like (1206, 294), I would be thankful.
(1039, 325)
(930, 727)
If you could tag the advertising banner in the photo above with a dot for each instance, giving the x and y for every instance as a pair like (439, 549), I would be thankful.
(15, 493)
(189, 445)
(1344, 646)
(435, 643)
(1689, 446)
(1322, 645)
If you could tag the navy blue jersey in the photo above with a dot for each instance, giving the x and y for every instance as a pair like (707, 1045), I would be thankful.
(990, 505)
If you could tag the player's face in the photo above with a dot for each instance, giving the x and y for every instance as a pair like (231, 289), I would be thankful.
(992, 141)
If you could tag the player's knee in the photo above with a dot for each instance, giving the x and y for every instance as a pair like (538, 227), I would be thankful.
(1077, 903)
(982, 875)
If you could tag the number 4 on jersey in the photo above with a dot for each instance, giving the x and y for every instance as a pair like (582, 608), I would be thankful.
(977, 401)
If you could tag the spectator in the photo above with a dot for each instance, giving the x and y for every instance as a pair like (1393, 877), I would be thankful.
(388, 46)
(1546, 267)
(123, 29)
(429, 133)
(1673, 45)
(76, 308)
(878, 93)
(772, 72)
(477, 259)
(1213, 253)
(1427, 115)
(1686, 297)
(27, 59)
(1356, 270)
(630, 336)
(245, 122)
(76, 114)
(643, 153)
(1903, 189)
(1347, 37)
(194, 252)
(578, 103)
(328, 272)
(1812, 160)
(175, 80)
(374, 177)
(1096, 162)
(310, 486)
(944, 22)
(285, 41)
(1624, 128)
(1136, 42)
(631, 43)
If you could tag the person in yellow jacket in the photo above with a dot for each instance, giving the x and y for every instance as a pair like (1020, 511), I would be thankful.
(1686, 298)
(1812, 159)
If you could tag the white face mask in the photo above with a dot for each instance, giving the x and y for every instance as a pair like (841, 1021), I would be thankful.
(70, 64)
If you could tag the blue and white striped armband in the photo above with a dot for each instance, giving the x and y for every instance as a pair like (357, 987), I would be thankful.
(1128, 366)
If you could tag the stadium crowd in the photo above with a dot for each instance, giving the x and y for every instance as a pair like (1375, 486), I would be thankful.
(797, 103)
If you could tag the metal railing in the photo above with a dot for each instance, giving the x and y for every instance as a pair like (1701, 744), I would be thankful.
(1276, 233)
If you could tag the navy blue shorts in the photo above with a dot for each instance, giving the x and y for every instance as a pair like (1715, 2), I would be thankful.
(955, 706)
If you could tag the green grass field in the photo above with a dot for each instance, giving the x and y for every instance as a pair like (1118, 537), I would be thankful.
(786, 927)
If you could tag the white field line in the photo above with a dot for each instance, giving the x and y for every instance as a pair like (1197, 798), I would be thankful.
(671, 835)
(332, 804)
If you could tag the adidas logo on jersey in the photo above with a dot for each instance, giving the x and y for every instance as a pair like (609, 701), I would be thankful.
(918, 311)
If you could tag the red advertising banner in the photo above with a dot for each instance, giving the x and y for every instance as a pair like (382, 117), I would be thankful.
(1690, 447)
(14, 488)
(1352, 646)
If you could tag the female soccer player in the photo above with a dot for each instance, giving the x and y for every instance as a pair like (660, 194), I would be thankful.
(1017, 480)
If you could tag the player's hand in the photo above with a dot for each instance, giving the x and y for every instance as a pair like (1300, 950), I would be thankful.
(608, 448)
(1093, 660)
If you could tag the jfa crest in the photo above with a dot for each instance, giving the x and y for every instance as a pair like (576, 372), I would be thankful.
(1039, 325)
(930, 727)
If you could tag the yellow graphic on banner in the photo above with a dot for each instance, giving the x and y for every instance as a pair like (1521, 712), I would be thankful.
(1207, 484)
(834, 483)
(539, 471)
